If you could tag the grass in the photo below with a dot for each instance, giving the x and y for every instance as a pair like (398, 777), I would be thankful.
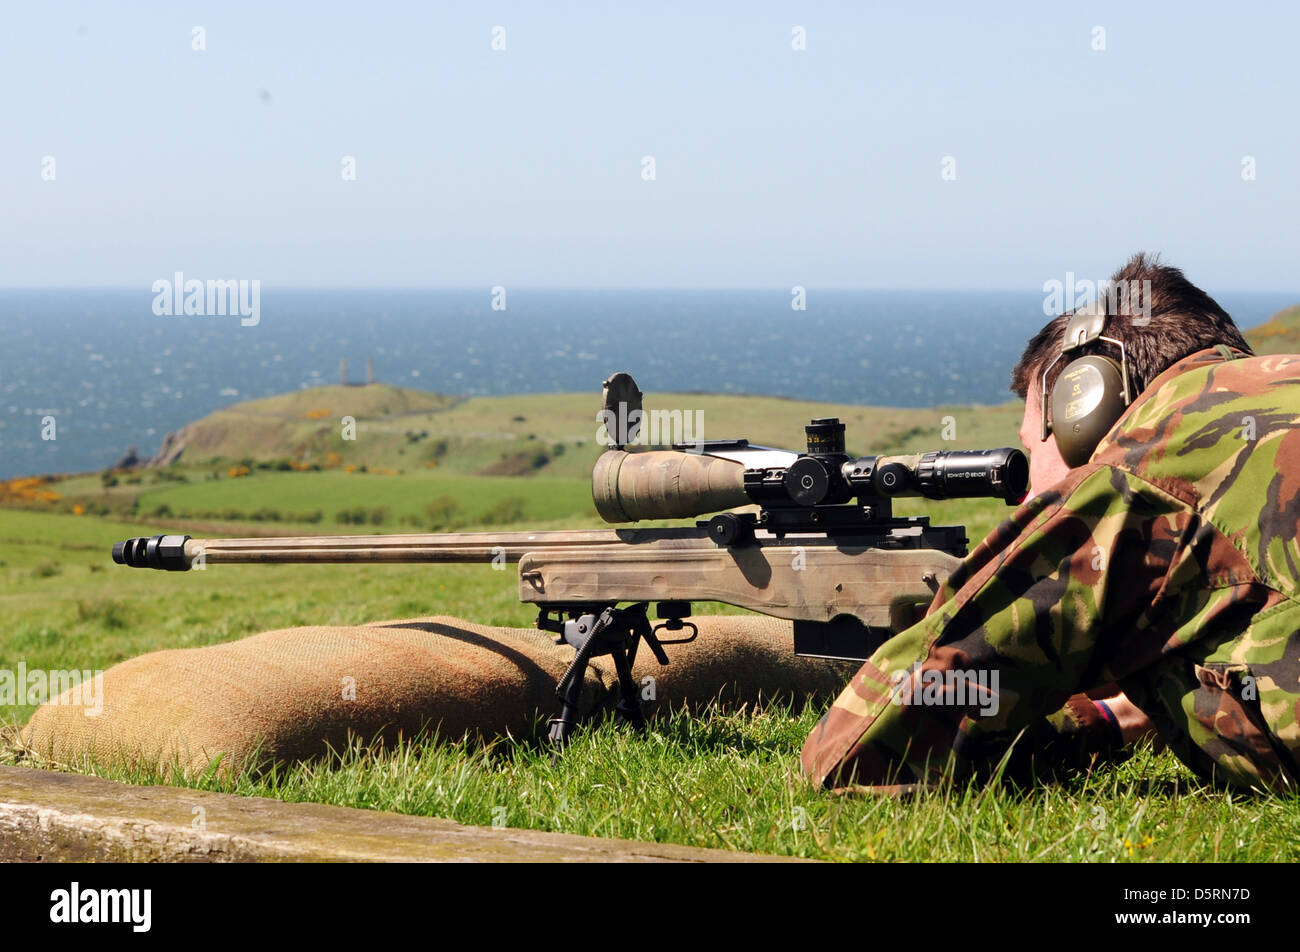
(543, 498)
(728, 779)
(91, 614)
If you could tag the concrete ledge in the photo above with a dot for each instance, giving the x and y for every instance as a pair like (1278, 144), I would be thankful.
(50, 817)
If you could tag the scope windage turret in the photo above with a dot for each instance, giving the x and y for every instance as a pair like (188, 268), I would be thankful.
(673, 484)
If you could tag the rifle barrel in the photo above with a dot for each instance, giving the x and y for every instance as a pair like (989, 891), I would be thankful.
(180, 552)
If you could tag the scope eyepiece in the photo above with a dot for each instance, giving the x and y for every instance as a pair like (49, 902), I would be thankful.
(951, 474)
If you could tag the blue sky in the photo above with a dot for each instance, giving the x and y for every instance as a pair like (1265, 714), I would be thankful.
(523, 167)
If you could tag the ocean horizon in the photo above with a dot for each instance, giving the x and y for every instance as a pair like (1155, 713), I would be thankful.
(115, 374)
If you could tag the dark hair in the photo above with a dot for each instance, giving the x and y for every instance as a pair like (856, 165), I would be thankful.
(1159, 315)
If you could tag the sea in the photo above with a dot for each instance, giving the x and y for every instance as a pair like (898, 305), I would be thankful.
(109, 373)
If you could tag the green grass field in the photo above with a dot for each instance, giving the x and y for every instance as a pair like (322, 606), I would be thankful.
(726, 779)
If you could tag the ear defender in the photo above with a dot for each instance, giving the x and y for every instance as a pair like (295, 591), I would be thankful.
(1091, 393)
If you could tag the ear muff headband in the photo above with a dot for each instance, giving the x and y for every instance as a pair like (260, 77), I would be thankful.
(1091, 393)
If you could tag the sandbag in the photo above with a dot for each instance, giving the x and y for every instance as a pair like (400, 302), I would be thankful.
(297, 692)
(736, 659)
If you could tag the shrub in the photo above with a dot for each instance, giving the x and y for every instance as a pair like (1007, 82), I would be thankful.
(46, 569)
(504, 512)
(441, 513)
(518, 463)
(361, 515)
(112, 613)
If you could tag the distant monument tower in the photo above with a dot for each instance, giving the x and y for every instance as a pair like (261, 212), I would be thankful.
(370, 371)
(343, 371)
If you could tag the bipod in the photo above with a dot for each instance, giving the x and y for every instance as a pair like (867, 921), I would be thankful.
(613, 631)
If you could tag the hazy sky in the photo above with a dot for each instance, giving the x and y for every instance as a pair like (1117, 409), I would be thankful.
(524, 166)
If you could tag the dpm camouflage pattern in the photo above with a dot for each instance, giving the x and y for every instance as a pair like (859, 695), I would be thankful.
(1168, 563)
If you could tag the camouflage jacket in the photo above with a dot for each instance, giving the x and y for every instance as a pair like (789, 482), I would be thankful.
(1168, 563)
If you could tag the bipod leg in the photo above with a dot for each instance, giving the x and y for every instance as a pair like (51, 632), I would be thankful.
(629, 702)
(569, 690)
(559, 728)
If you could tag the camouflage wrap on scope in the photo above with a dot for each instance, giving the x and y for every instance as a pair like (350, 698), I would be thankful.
(1167, 563)
(664, 484)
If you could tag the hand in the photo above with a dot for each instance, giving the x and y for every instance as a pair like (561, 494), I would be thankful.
(1134, 725)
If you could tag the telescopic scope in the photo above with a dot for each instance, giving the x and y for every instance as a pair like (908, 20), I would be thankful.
(680, 483)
